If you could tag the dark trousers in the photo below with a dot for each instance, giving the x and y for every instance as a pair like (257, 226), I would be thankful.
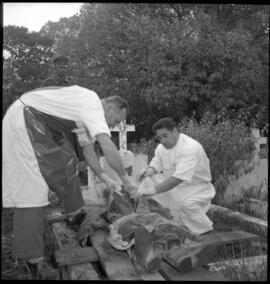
(28, 229)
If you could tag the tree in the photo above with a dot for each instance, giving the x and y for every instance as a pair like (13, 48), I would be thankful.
(26, 63)
(169, 59)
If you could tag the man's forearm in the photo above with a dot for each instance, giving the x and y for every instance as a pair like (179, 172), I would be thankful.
(115, 161)
(167, 184)
(112, 156)
(92, 160)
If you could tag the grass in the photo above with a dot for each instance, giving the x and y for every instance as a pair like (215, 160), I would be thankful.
(240, 267)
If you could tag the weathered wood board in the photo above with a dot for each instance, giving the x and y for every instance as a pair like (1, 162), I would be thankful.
(220, 238)
(56, 218)
(65, 238)
(117, 264)
(70, 256)
(207, 247)
(247, 223)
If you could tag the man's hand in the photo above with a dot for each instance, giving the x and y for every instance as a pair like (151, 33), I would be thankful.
(145, 173)
(111, 184)
(128, 185)
(146, 191)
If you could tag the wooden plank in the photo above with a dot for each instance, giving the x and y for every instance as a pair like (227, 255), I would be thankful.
(247, 223)
(56, 218)
(198, 274)
(117, 264)
(65, 238)
(221, 238)
(70, 256)
(205, 251)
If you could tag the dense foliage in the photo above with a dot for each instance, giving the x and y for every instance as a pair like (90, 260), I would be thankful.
(26, 64)
(165, 59)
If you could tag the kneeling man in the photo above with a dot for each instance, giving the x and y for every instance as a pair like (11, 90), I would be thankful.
(185, 185)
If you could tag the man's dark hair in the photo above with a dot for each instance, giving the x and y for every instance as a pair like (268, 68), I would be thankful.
(60, 59)
(166, 122)
(119, 101)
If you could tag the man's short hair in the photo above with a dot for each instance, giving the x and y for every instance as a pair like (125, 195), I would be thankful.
(60, 59)
(119, 101)
(166, 122)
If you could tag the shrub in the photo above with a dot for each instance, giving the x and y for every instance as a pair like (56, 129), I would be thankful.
(228, 144)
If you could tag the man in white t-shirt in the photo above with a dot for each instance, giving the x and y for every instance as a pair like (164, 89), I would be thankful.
(39, 155)
(184, 185)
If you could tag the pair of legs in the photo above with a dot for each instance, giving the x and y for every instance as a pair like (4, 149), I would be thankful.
(188, 206)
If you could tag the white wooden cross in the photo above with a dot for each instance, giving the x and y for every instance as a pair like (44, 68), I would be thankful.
(123, 128)
(259, 141)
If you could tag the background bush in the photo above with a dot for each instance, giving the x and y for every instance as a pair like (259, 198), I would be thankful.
(163, 58)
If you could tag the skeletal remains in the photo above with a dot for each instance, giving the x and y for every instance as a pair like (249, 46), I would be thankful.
(144, 229)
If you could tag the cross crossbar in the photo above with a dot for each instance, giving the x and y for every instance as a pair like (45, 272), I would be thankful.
(123, 129)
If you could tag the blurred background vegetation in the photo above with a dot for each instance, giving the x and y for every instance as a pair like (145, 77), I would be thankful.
(165, 59)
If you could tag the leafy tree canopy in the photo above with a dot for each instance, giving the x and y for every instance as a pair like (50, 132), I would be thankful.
(168, 59)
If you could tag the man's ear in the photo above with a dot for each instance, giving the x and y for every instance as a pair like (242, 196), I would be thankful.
(110, 106)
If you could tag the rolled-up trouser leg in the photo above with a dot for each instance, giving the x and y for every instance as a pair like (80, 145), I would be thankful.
(28, 229)
(56, 157)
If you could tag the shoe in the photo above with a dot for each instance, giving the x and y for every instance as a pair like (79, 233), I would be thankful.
(42, 271)
(76, 219)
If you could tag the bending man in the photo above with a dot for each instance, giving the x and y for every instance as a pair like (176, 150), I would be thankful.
(39, 154)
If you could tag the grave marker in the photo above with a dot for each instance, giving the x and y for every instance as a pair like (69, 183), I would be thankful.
(123, 129)
(259, 141)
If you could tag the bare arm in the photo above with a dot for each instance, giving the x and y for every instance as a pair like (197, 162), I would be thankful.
(114, 159)
(167, 184)
(91, 159)
(93, 162)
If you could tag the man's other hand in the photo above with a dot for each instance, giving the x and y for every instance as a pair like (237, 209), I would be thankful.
(144, 173)
(151, 190)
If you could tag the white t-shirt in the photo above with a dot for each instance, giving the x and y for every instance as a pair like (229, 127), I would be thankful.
(73, 103)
